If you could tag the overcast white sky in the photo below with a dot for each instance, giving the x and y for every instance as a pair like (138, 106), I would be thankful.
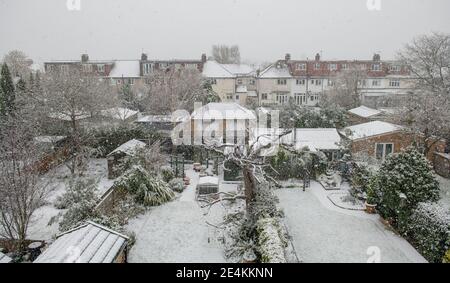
(264, 29)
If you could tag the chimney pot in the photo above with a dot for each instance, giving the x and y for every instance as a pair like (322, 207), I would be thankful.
(203, 58)
(144, 57)
(287, 57)
(84, 58)
(317, 57)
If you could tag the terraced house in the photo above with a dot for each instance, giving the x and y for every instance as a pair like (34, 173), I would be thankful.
(305, 81)
(302, 82)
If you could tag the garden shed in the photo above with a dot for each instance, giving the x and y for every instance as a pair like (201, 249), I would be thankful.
(208, 185)
(88, 243)
(130, 148)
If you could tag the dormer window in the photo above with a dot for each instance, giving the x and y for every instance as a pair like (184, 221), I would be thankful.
(376, 67)
(317, 66)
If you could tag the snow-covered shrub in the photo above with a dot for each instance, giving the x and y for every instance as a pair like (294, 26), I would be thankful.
(405, 180)
(271, 241)
(429, 228)
(80, 199)
(360, 176)
(177, 185)
(446, 258)
(167, 173)
(110, 221)
(148, 190)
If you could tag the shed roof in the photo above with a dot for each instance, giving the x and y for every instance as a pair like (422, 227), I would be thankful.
(219, 111)
(88, 243)
(208, 181)
(365, 112)
(4, 258)
(370, 129)
(129, 148)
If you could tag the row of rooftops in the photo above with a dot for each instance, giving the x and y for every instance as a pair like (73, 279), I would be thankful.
(285, 68)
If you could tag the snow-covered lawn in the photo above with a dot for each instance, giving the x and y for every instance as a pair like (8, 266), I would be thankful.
(322, 232)
(39, 228)
(177, 231)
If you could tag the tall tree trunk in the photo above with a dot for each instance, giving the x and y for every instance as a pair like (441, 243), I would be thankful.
(250, 186)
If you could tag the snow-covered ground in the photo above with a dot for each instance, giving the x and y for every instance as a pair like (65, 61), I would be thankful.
(178, 231)
(39, 228)
(323, 232)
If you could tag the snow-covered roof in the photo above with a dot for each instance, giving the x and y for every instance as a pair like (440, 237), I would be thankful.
(365, 112)
(48, 139)
(370, 129)
(89, 243)
(4, 258)
(314, 139)
(119, 113)
(160, 119)
(220, 111)
(241, 89)
(275, 71)
(213, 69)
(126, 69)
(239, 69)
(129, 148)
(208, 181)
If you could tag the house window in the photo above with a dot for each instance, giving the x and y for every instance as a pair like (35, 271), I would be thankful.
(376, 67)
(383, 150)
(318, 82)
(148, 68)
(394, 68)
(332, 67)
(317, 66)
(331, 83)
(229, 97)
(118, 81)
(394, 83)
(376, 83)
(301, 82)
(301, 67)
(282, 81)
(344, 66)
(300, 98)
(252, 82)
(130, 81)
(49, 68)
(264, 96)
(282, 98)
(239, 81)
(237, 96)
(64, 68)
(101, 68)
(87, 68)
(213, 81)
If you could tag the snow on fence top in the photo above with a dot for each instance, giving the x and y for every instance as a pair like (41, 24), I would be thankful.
(49, 139)
(119, 113)
(220, 111)
(4, 258)
(374, 128)
(89, 243)
(129, 148)
(364, 112)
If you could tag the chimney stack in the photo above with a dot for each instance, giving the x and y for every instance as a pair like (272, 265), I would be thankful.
(203, 58)
(376, 57)
(317, 57)
(144, 57)
(287, 57)
(84, 58)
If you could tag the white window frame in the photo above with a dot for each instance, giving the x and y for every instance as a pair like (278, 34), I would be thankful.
(394, 83)
(300, 81)
(332, 67)
(384, 155)
(282, 82)
(376, 67)
(101, 68)
(301, 67)
(376, 83)
(317, 66)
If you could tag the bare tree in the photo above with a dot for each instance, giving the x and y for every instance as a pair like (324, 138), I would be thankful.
(346, 89)
(225, 54)
(22, 190)
(172, 89)
(18, 63)
(427, 109)
(71, 96)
